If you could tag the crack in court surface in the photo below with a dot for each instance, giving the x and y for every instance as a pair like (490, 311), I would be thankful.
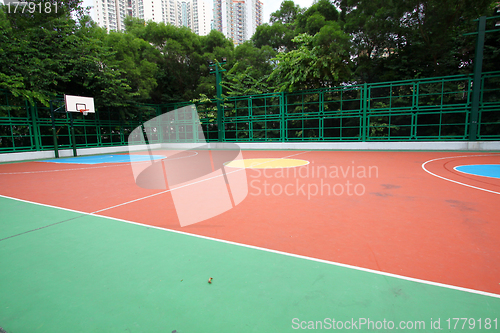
(46, 226)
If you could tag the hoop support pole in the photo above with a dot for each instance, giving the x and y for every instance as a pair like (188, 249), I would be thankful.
(73, 138)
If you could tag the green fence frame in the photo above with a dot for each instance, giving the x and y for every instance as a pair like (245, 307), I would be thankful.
(432, 109)
(414, 110)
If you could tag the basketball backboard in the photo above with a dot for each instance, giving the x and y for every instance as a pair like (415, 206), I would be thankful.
(79, 103)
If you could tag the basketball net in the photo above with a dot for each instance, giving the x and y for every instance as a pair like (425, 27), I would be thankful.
(84, 111)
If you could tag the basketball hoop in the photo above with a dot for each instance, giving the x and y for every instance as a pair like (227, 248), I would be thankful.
(84, 111)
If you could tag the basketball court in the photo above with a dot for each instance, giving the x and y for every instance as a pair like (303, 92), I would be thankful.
(412, 239)
(228, 240)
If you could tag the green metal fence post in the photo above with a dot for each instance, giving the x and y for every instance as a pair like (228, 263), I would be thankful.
(364, 121)
(321, 122)
(54, 134)
(220, 112)
(282, 116)
(97, 122)
(219, 108)
(250, 115)
(476, 88)
(415, 110)
(34, 124)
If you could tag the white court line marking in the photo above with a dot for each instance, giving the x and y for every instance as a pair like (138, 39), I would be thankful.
(99, 167)
(333, 263)
(44, 171)
(454, 181)
(175, 188)
(102, 158)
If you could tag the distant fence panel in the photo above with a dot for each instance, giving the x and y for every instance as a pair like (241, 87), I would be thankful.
(253, 118)
(17, 125)
(489, 108)
(432, 109)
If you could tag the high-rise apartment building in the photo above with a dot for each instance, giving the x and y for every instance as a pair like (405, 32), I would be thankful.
(111, 13)
(193, 14)
(201, 18)
(237, 19)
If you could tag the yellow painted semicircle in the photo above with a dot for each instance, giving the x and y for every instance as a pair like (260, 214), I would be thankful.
(266, 163)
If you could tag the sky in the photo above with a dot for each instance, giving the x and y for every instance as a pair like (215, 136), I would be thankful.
(270, 6)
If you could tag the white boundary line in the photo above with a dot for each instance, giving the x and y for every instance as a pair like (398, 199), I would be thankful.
(454, 181)
(99, 157)
(115, 164)
(44, 171)
(367, 270)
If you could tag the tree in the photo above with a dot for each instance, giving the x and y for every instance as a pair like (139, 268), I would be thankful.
(280, 33)
(403, 39)
(214, 47)
(316, 17)
(249, 74)
(136, 59)
(177, 56)
(45, 54)
(287, 14)
(279, 36)
(321, 60)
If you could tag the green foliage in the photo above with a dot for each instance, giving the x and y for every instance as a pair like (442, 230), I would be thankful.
(317, 16)
(249, 74)
(215, 46)
(321, 60)
(137, 60)
(408, 39)
(379, 127)
(327, 44)
(46, 55)
(181, 71)
(279, 36)
(244, 83)
(287, 14)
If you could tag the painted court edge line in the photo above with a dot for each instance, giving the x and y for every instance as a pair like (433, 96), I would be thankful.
(454, 181)
(44, 171)
(89, 168)
(127, 162)
(402, 277)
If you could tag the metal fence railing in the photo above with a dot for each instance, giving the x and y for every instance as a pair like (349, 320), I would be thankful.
(425, 110)
(429, 109)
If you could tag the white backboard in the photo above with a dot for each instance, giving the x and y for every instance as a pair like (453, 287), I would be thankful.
(77, 103)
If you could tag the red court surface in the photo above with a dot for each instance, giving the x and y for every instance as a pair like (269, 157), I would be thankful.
(408, 213)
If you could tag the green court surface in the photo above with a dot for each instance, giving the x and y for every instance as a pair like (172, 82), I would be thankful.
(96, 274)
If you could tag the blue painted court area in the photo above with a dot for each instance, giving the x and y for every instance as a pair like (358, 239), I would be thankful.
(485, 170)
(106, 159)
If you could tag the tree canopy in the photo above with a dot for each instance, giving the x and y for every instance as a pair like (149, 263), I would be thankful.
(329, 43)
